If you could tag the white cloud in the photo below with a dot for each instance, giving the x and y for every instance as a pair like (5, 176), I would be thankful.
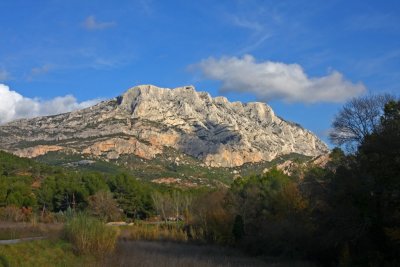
(91, 23)
(274, 80)
(15, 106)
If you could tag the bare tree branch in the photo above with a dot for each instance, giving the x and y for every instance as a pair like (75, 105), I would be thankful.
(358, 118)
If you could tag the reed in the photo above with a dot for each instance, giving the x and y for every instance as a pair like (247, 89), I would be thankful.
(90, 236)
(156, 232)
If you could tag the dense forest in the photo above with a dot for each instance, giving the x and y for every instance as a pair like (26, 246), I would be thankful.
(347, 213)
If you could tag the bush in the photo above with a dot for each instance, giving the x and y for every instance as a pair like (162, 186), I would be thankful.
(103, 206)
(13, 213)
(90, 236)
(212, 218)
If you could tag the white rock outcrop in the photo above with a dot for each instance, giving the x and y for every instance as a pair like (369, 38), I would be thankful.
(147, 118)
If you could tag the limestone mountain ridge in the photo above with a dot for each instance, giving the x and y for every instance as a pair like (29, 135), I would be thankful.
(146, 120)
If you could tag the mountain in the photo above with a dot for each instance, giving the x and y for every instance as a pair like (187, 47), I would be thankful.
(147, 121)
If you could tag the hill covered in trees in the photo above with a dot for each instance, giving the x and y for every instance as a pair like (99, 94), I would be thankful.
(25, 183)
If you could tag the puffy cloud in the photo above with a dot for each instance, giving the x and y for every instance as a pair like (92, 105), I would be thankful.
(91, 23)
(15, 106)
(274, 80)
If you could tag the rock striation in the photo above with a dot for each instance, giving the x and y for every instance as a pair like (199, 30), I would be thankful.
(146, 119)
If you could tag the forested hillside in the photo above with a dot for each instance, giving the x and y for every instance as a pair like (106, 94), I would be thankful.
(44, 189)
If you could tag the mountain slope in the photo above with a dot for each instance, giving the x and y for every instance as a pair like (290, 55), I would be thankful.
(147, 119)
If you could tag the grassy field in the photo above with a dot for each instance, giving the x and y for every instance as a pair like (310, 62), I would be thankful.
(49, 253)
(12, 230)
(12, 233)
(168, 254)
(131, 250)
(44, 253)
(53, 251)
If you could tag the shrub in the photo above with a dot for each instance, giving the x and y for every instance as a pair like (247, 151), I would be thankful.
(15, 214)
(215, 223)
(103, 206)
(90, 236)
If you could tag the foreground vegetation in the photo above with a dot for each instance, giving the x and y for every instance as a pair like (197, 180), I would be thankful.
(90, 236)
(171, 254)
(42, 253)
(85, 241)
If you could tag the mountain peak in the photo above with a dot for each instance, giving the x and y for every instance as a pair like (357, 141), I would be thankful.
(146, 119)
(153, 89)
(135, 94)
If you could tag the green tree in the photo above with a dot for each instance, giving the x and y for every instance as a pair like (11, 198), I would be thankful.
(274, 214)
(358, 206)
(238, 228)
(379, 157)
(132, 196)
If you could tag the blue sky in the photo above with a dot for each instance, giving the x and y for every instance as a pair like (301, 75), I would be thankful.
(328, 50)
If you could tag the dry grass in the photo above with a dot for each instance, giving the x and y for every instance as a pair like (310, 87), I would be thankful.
(167, 254)
(90, 236)
(10, 230)
(174, 232)
(129, 251)
(154, 232)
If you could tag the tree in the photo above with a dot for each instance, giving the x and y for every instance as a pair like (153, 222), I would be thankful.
(162, 204)
(358, 214)
(132, 196)
(379, 157)
(358, 118)
(212, 217)
(103, 206)
(272, 215)
(238, 228)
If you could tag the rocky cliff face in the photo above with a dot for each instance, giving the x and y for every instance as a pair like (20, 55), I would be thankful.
(146, 119)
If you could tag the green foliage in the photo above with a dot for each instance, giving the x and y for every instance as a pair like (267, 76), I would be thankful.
(42, 253)
(273, 213)
(379, 159)
(356, 207)
(132, 196)
(94, 182)
(238, 228)
(337, 157)
(16, 191)
(26, 183)
(258, 194)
